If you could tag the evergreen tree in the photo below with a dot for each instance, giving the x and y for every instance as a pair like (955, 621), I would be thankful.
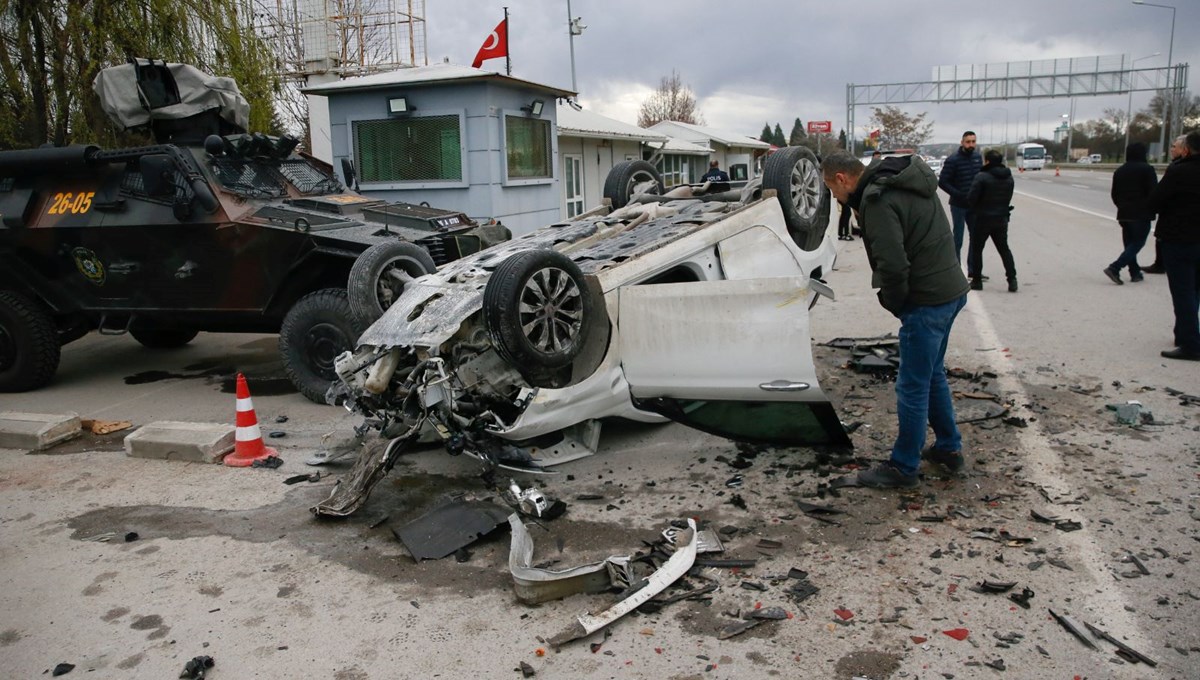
(777, 138)
(766, 135)
(797, 136)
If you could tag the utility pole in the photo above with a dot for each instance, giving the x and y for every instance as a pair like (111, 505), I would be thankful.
(575, 27)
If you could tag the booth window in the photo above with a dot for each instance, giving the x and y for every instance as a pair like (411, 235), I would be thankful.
(527, 144)
(418, 149)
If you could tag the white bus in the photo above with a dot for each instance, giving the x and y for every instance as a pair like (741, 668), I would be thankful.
(1031, 156)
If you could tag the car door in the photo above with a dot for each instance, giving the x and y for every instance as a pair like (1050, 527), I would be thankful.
(729, 357)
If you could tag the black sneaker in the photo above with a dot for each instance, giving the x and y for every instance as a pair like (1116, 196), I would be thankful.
(1113, 275)
(1155, 268)
(1012, 285)
(886, 476)
(1136, 278)
(976, 284)
(951, 460)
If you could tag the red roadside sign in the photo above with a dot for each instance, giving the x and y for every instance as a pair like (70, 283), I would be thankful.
(820, 126)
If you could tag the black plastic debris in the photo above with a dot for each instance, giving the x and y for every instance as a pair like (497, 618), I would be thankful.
(1123, 650)
(281, 419)
(725, 563)
(270, 462)
(1137, 563)
(737, 501)
(1073, 628)
(527, 670)
(453, 525)
(986, 586)
(133, 536)
(62, 669)
(589, 497)
(753, 585)
(801, 590)
(797, 574)
(737, 628)
(821, 513)
(296, 479)
(197, 667)
(998, 664)
(1068, 525)
(277, 434)
(1022, 599)
(769, 613)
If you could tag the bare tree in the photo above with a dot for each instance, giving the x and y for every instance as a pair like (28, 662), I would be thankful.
(673, 100)
(899, 130)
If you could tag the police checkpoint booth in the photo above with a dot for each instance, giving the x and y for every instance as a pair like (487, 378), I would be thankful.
(452, 136)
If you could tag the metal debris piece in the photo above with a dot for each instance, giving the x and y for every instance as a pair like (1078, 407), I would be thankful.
(527, 670)
(296, 479)
(536, 585)
(1022, 598)
(737, 628)
(448, 527)
(1073, 628)
(986, 586)
(197, 667)
(373, 464)
(532, 502)
(769, 613)
(1137, 563)
(671, 571)
(1129, 652)
(725, 564)
(1044, 519)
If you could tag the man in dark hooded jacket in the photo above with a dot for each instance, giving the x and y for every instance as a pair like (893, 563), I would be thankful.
(911, 252)
(1132, 185)
(1176, 200)
(989, 198)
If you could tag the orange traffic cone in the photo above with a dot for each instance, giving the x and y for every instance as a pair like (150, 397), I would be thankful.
(1056, 171)
(248, 442)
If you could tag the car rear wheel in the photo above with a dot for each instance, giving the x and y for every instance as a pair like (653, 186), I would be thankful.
(630, 178)
(29, 347)
(538, 311)
(315, 331)
(380, 275)
(795, 175)
(156, 336)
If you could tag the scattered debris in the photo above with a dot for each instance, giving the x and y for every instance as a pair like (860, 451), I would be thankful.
(197, 667)
(844, 614)
(131, 537)
(1073, 628)
(534, 586)
(105, 426)
(668, 573)
(986, 586)
(62, 669)
(270, 462)
(959, 634)
(527, 670)
(1132, 413)
(296, 479)
(450, 526)
(998, 664)
(1124, 651)
(277, 434)
(1022, 598)
(1137, 563)
(532, 502)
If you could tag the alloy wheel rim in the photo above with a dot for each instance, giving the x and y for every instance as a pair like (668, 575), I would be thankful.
(805, 188)
(551, 310)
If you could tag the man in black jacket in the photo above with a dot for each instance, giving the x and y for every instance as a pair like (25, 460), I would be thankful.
(958, 172)
(911, 252)
(1132, 184)
(1178, 150)
(989, 199)
(1176, 200)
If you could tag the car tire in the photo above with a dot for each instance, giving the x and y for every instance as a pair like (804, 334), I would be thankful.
(795, 175)
(520, 292)
(380, 274)
(29, 347)
(155, 336)
(621, 184)
(315, 331)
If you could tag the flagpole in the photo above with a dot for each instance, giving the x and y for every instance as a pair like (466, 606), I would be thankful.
(507, 57)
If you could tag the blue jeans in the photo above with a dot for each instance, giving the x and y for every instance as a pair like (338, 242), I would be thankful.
(1133, 235)
(1182, 261)
(962, 218)
(922, 393)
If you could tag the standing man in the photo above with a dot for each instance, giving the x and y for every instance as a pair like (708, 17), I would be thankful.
(958, 172)
(1132, 184)
(1178, 150)
(715, 173)
(989, 200)
(1176, 200)
(911, 252)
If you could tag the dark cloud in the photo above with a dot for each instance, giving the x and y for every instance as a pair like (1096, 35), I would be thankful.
(774, 60)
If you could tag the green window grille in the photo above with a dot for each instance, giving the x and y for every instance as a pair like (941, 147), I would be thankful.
(425, 149)
(527, 141)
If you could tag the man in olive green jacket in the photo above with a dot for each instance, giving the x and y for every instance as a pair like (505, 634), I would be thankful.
(910, 248)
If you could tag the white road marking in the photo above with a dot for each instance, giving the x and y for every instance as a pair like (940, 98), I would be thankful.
(1046, 470)
(1064, 205)
(1082, 186)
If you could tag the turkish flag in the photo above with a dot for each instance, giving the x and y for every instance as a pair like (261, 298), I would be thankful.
(495, 45)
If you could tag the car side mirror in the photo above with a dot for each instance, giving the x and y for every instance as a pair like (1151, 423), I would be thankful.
(158, 172)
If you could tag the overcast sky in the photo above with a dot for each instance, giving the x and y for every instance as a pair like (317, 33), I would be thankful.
(773, 60)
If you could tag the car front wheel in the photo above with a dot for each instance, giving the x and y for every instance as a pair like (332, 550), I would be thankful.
(380, 275)
(315, 331)
(630, 178)
(795, 175)
(29, 347)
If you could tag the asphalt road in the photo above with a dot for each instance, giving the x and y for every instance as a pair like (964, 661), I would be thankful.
(230, 563)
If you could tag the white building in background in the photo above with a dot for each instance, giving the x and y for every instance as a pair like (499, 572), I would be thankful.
(736, 153)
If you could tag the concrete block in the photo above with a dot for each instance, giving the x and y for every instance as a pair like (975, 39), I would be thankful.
(172, 440)
(36, 431)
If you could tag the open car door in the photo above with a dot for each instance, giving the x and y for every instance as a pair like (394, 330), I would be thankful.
(732, 358)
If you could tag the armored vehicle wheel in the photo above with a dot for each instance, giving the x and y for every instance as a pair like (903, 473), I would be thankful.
(380, 274)
(29, 347)
(629, 178)
(315, 331)
(157, 336)
(793, 172)
(538, 310)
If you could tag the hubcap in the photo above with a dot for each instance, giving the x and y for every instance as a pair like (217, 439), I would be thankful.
(806, 188)
(551, 310)
(322, 345)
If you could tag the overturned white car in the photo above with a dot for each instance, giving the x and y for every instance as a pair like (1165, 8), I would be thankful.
(690, 305)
